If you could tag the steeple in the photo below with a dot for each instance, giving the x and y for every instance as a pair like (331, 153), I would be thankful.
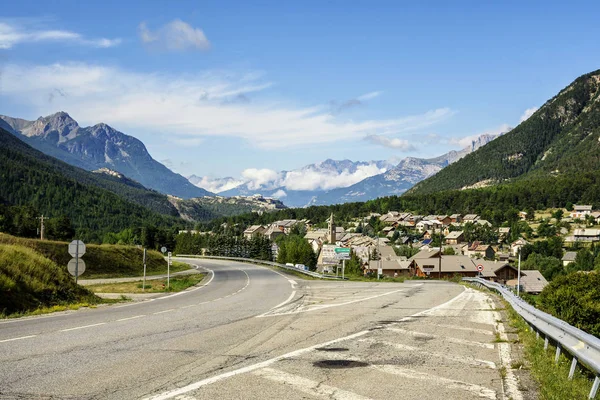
(331, 235)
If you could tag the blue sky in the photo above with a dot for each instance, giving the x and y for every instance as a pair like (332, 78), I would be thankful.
(216, 88)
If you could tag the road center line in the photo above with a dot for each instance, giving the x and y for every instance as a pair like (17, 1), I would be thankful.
(128, 318)
(17, 338)
(82, 327)
(164, 311)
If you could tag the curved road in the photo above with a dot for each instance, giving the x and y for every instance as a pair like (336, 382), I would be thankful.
(254, 333)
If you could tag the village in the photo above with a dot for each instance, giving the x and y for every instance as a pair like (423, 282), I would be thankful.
(401, 244)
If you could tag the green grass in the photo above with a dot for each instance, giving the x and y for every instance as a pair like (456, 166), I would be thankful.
(102, 261)
(177, 284)
(30, 281)
(552, 378)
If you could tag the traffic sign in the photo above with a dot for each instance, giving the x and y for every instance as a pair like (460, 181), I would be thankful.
(480, 268)
(341, 250)
(76, 265)
(76, 248)
(163, 249)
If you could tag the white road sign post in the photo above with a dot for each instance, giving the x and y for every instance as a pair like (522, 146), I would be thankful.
(76, 250)
(169, 271)
(163, 249)
(144, 281)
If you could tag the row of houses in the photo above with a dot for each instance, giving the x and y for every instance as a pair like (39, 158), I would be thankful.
(277, 228)
(429, 262)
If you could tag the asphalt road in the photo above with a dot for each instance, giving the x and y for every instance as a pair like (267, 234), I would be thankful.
(253, 333)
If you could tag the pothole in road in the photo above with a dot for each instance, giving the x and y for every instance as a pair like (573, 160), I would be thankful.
(332, 349)
(331, 364)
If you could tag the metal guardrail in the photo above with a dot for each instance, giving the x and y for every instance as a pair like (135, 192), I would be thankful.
(582, 346)
(273, 264)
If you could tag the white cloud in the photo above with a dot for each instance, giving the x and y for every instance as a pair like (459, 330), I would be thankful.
(174, 36)
(257, 178)
(11, 35)
(215, 185)
(189, 105)
(468, 140)
(279, 194)
(368, 96)
(528, 113)
(393, 143)
(309, 179)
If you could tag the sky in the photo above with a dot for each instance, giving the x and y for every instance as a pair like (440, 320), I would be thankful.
(229, 88)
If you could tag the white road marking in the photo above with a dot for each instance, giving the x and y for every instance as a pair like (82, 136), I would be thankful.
(128, 318)
(460, 328)
(447, 339)
(164, 311)
(82, 327)
(412, 349)
(279, 305)
(293, 283)
(510, 382)
(17, 338)
(307, 386)
(321, 307)
(478, 390)
(267, 363)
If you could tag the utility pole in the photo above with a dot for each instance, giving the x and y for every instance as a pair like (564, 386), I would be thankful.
(440, 260)
(42, 226)
(519, 275)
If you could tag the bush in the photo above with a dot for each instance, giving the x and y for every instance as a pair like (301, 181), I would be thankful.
(574, 298)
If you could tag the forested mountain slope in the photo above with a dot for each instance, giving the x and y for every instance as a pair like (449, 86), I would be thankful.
(95, 203)
(561, 138)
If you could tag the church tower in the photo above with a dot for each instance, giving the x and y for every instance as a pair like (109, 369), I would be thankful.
(331, 236)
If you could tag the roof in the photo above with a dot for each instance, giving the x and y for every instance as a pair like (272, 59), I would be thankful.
(531, 280)
(519, 242)
(569, 256)
(504, 230)
(427, 252)
(586, 232)
(471, 217)
(582, 208)
(454, 235)
(456, 264)
(387, 252)
(394, 264)
(253, 228)
(316, 234)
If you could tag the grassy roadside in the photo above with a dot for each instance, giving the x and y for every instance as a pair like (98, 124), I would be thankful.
(62, 307)
(177, 284)
(552, 378)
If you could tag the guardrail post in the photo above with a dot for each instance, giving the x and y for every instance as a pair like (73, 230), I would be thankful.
(546, 343)
(573, 366)
(557, 356)
(594, 390)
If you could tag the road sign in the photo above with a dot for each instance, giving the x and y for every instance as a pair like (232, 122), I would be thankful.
(76, 265)
(342, 250)
(76, 248)
(480, 268)
(163, 249)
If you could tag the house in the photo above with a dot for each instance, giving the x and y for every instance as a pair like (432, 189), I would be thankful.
(596, 216)
(427, 252)
(584, 236)
(477, 249)
(470, 218)
(388, 229)
(254, 230)
(273, 232)
(456, 218)
(483, 222)
(580, 211)
(391, 267)
(569, 257)
(503, 270)
(532, 281)
(522, 215)
(515, 247)
(503, 234)
(455, 237)
(449, 266)
(444, 219)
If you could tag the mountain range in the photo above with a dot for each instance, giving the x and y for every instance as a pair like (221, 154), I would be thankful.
(341, 181)
(99, 146)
